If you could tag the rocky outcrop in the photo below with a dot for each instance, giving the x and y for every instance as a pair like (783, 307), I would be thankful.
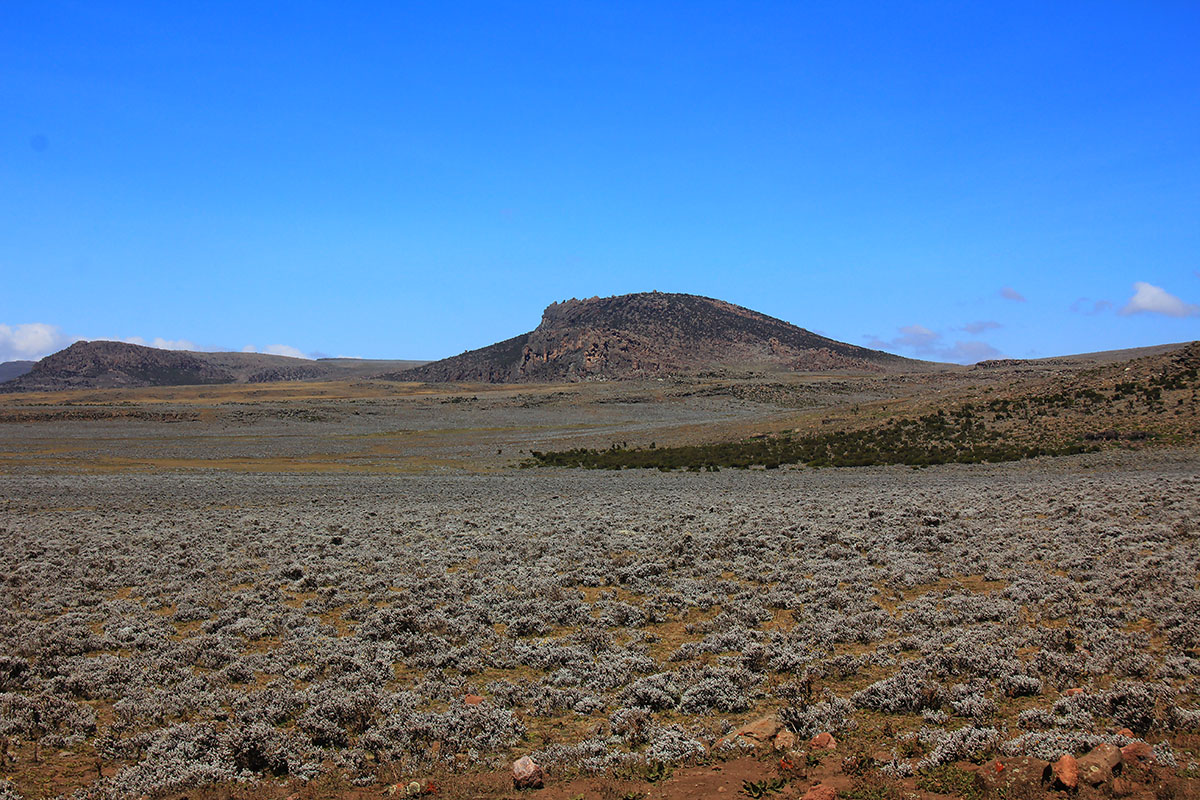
(650, 335)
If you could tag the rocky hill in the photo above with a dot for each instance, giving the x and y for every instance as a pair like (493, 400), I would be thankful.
(106, 365)
(116, 364)
(649, 335)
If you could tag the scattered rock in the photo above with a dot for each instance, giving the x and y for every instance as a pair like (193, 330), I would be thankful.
(785, 740)
(1137, 753)
(527, 774)
(757, 733)
(1065, 773)
(1020, 776)
(822, 791)
(823, 741)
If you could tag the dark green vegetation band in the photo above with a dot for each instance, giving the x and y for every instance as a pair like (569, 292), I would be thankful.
(932, 439)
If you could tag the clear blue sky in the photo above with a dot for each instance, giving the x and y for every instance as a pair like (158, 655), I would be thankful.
(414, 179)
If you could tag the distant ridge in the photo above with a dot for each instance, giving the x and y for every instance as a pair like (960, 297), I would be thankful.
(110, 365)
(14, 369)
(651, 334)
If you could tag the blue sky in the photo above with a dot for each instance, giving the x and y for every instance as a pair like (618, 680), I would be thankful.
(409, 180)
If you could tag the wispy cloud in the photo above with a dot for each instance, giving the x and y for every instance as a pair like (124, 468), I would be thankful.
(1009, 293)
(31, 341)
(981, 326)
(923, 342)
(1150, 299)
(1089, 307)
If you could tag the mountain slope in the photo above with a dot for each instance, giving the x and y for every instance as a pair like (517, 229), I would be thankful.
(647, 335)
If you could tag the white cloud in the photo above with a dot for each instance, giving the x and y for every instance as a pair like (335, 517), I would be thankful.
(162, 344)
(1009, 293)
(1150, 299)
(925, 343)
(981, 326)
(277, 350)
(31, 341)
(284, 350)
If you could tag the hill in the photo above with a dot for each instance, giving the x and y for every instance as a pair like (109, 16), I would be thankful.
(651, 335)
(107, 365)
(14, 369)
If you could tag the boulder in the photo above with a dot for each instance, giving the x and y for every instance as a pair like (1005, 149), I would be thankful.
(472, 699)
(759, 733)
(1072, 692)
(1137, 753)
(1020, 776)
(784, 740)
(823, 741)
(1064, 773)
(527, 774)
(1098, 767)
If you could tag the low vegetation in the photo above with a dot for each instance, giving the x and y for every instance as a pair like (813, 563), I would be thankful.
(262, 628)
(1054, 421)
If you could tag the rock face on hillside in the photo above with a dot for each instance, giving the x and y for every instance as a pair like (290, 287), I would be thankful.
(99, 365)
(650, 335)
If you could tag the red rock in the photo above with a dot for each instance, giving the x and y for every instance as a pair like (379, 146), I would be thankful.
(1098, 766)
(1137, 753)
(822, 791)
(1072, 692)
(823, 741)
(785, 740)
(1066, 773)
(1122, 787)
(472, 699)
(527, 774)
(1128, 734)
